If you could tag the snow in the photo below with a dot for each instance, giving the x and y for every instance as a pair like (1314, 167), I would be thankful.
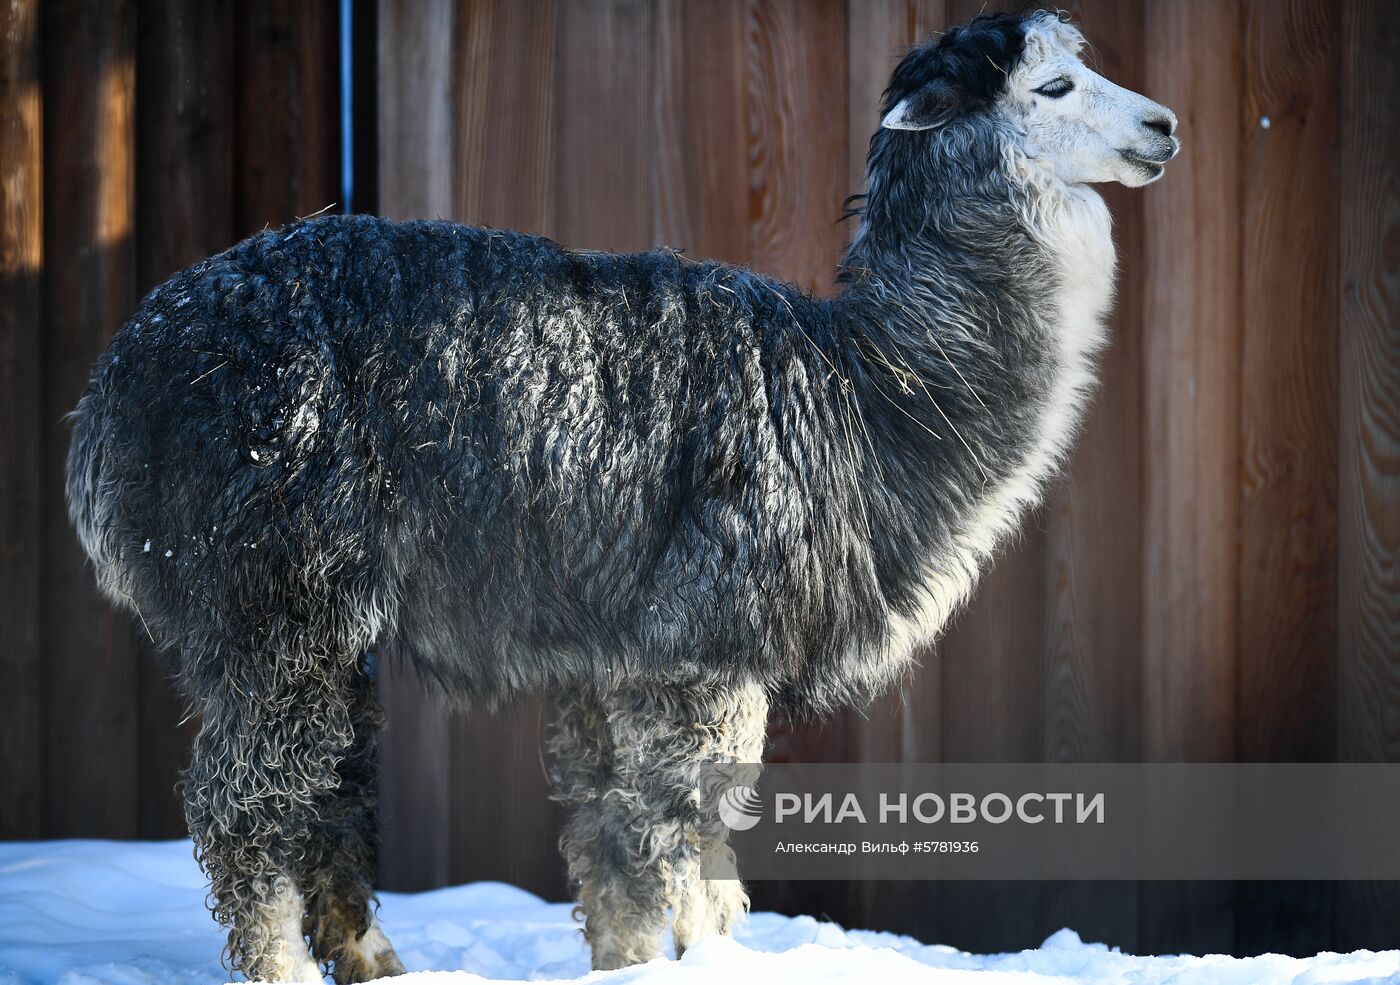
(132, 913)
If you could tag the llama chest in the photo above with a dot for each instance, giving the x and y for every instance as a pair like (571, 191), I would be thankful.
(1076, 236)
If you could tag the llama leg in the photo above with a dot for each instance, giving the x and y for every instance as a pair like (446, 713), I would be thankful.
(638, 845)
(341, 860)
(726, 726)
(620, 928)
(264, 762)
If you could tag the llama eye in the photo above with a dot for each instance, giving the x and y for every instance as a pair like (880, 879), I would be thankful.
(1055, 89)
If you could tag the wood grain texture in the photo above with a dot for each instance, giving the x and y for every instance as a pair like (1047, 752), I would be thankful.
(503, 824)
(416, 124)
(1191, 311)
(21, 501)
(1368, 585)
(1289, 384)
(506, 99)
(1092, 616)
(1289, 390)
(603, 161)
(699, 166)
(416, 782)
(1368, 535)
(288, 152)
(184, 212)
(796, 76)
(90, 653)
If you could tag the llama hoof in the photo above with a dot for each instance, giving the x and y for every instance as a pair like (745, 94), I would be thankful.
(611, 962)
(611, 959)
(287, 966)
(369, 958)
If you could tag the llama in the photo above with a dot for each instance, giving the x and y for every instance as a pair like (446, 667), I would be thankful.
(674, 493)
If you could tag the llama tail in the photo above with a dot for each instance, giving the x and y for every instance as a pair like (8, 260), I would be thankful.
(91, 495)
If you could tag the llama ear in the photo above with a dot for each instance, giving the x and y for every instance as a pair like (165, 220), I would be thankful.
(932, 106)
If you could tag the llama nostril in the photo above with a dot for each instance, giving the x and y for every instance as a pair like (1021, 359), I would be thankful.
(1160, 124)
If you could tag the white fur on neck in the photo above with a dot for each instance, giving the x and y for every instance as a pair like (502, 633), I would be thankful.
(1074, 226)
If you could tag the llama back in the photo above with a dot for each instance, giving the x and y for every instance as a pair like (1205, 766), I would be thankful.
(524, 464)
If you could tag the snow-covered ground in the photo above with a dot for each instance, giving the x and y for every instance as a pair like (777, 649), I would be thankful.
(115, 913)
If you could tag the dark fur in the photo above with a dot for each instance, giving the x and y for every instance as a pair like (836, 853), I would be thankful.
(530, 467)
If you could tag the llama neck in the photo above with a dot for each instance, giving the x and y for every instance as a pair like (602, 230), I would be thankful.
(975, 296)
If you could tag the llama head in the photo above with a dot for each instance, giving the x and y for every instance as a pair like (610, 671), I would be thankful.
(1024, 73)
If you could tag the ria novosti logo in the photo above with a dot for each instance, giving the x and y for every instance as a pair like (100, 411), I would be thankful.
(740, 807)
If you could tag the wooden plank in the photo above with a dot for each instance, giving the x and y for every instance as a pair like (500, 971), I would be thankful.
(507, 138)
(415, 783)
(184, 194)
(506, 97)
(602, 168)
(1093, 614)
(185, 100)
(991, 692)
(797, 139)
(510, 834)
(415, 181)
(90, 652)
(1191, 309)
(364, 96)
(1368, 536)
(1289, 391)
(1369, 497)
(699, 160)
(21, 506)
(288, 148)
(415, 108)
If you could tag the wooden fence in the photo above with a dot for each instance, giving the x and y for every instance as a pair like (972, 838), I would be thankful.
(1217, 578)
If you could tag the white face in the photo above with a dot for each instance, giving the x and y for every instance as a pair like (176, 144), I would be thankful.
(1079, 124)
(1070, 120)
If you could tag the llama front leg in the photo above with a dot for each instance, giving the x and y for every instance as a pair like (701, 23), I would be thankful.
(341, 860)
(640, 830)
(723, 725)
(621, 903)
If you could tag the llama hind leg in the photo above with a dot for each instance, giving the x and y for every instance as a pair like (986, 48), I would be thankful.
(244, 820)
(265, 761)
(341, 860)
